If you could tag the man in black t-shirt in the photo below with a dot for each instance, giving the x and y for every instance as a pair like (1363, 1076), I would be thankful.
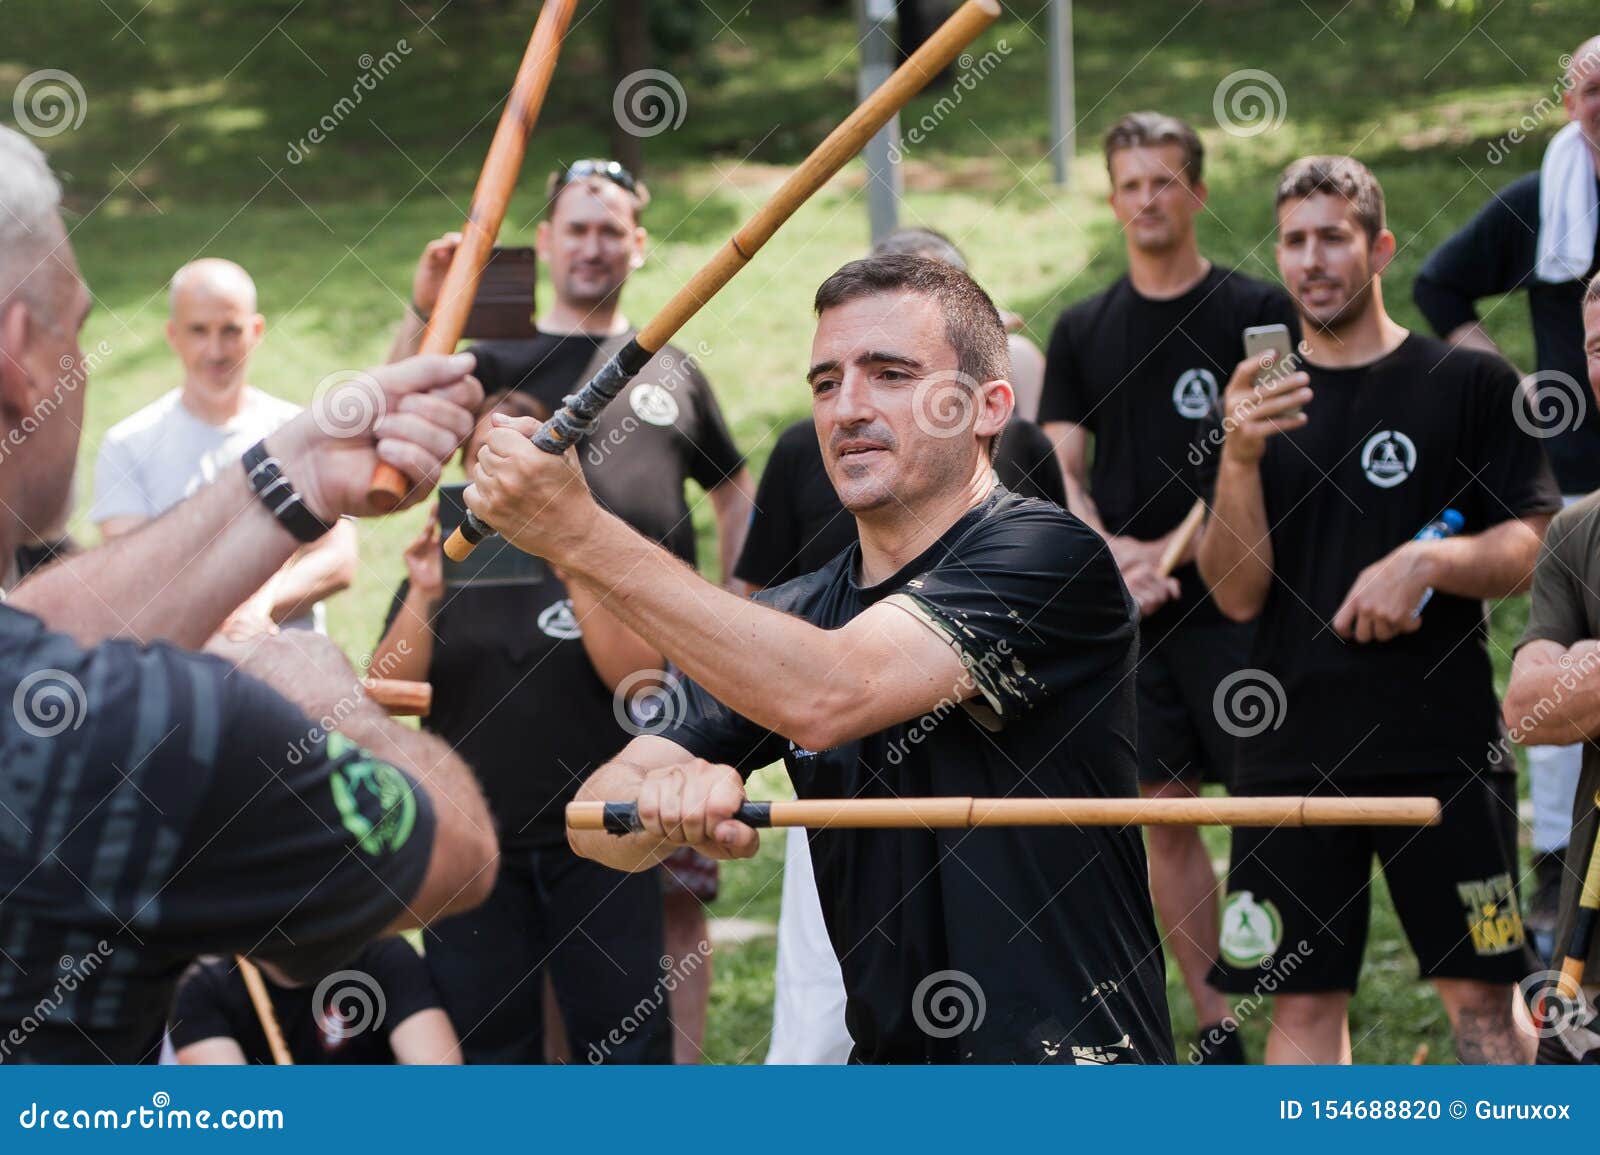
(157, 804)
(665, 430)
(1522, 240)
(972, 642)
(381, 1008)
(1136, 369)
(1370, 667)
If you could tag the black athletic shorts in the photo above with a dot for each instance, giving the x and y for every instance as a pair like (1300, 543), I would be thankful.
(1180, 737)
(1298, 898)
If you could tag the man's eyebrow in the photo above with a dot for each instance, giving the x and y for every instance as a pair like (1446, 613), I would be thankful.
(870, 357)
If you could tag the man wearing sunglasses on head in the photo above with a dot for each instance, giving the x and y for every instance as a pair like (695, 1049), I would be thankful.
(667, 429)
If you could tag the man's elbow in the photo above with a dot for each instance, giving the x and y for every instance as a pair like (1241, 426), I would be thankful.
(1235, 608)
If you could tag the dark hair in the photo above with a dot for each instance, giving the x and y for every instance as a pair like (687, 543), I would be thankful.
(920, 242)
(516, 402)
(971, 322)
(1151, 129)
(1340, 176)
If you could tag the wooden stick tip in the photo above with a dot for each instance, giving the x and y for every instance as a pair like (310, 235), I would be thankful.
(457, 547)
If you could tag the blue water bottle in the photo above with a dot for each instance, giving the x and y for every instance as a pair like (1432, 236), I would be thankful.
(1448, 525)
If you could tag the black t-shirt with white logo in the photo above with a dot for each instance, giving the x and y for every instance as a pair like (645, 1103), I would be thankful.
(664, 429)
(993, 945)
(516, 696)
(344, 1018)
(798, 524)
(1144, 376)
(1387, 448)
(156, 805)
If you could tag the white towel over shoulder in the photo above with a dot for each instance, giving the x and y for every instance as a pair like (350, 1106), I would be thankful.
(1569, 208)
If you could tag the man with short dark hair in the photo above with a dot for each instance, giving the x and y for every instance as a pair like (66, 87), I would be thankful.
(158, 804)
(1541, 233)
(1134, 370)
(971, 643)
(666, 430)
(1371, 645)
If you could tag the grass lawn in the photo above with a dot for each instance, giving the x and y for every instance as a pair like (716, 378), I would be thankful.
(193, 111)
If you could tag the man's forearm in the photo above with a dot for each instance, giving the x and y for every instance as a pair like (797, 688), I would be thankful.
(1554, 695)
(735, 648)
(1496, 563)
(406, 650)
(176, 579)
(1235, 551)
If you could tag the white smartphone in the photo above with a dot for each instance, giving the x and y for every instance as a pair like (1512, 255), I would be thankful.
(1271, 341)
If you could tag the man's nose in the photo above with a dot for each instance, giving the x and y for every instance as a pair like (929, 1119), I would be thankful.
(854, 404)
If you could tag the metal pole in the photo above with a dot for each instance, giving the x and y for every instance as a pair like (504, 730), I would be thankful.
(1063, 114)
(876, 20)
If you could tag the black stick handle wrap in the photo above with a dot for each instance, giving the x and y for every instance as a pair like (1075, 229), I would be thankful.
(623, 817)
(581, 410)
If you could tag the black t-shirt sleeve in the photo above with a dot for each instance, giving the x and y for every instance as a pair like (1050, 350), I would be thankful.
(1062, 398)
(403, 977)
(715, 457)
(768, 556)
(202, 1007)
(1512, 475)
(1555, 609)
(1032, 602)
(304, 847)
(1492, 253)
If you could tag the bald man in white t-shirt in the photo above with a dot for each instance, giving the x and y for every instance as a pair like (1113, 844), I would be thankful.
(179, 443)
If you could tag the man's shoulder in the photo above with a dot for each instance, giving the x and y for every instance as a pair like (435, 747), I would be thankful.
(796, 442)
(146, 423)
(1460, 364)
(1521, 196)
(1249, 289)
(1576, 526)
(1087, 311)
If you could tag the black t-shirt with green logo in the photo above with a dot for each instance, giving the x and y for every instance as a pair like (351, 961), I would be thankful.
(1386, 449)
(157, 805)
(1143, 376)
(995, 945)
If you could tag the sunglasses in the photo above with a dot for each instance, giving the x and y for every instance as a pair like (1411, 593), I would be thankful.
(607, 169)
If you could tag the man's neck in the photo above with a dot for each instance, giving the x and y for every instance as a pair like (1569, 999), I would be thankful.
(1169, 273)
(898, 535)
(1365, 339)
(600, 320)
(211, 407)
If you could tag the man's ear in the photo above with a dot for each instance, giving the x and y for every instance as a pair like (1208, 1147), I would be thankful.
(1201, 192)
(1383, 250)
(639, 239)
(999, 402)
(541, 242)
(16, 333)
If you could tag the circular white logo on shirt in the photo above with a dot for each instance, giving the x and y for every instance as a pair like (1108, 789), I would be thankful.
(1195, 394)
(653, 404)
(1388, 458)
(1251, 930)
(558, 621)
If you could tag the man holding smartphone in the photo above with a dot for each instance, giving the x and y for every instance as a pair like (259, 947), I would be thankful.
(1323, 478)
(1137, 367)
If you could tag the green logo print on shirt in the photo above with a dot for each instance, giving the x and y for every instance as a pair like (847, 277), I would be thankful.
(374, 799)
